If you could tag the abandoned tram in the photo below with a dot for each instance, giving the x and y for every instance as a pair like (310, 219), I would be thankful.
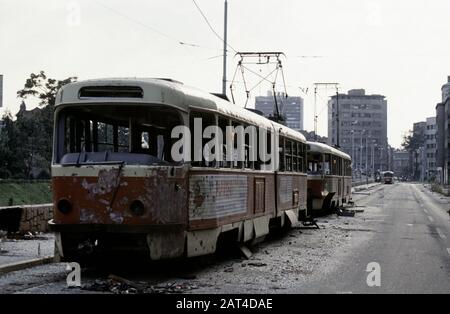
(117, 188)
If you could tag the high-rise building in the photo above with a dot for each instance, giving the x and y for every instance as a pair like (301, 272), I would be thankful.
(443, 135)
(430, 148)
(362, 130)
(290, 107)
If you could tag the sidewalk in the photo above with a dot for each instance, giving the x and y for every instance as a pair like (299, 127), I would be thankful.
(364, 187)
(17, 254)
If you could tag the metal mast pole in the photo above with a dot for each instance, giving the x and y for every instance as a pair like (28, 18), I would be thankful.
(354, 163)
(316, 85)
(373, 158)
(361, 151)
(337, 116)
(315, 113)
(224, 78)
(367, 148)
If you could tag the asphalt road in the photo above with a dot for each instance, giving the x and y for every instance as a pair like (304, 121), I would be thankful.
(408, 238)
(402, 227)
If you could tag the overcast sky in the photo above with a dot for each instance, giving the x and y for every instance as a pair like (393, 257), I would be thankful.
(400, 49)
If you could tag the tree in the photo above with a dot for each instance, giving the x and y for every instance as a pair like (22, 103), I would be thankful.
(412, 143)
(44, 88)
(35, 128)
(9, 162)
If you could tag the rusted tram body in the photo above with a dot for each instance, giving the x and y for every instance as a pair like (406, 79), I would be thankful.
(116, 186)
(329, 177)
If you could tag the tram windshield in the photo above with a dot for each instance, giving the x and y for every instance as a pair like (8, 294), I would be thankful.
(115, 133)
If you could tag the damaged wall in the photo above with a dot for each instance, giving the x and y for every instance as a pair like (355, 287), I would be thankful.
(25, 218)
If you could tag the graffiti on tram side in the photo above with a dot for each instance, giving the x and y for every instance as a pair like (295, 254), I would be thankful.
(215, 196)
(286, 189)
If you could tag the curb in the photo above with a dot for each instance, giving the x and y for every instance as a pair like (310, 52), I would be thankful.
(25, 264)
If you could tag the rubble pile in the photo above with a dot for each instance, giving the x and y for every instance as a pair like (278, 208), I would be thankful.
(118, 285)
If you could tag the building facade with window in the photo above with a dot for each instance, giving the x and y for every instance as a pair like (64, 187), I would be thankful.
(401, 163)
(362, 131)
(290, 107)
(430, 149)
(443, 135)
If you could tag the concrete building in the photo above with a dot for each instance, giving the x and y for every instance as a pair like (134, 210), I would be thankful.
(291, 108)
(362, 129)
(401, 163)
(443, 135)
(430, 149)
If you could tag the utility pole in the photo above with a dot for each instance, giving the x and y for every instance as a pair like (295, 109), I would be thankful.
(353, 150)
(353, 144)
(315, 112)
(224, 78)
(337, 116)
(373, 157)
(367, 148)
(361, 151)
(336, 85)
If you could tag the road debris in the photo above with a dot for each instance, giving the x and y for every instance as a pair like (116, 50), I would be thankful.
(256, 264)
(118, 285)
(245, 251)
(345, 212)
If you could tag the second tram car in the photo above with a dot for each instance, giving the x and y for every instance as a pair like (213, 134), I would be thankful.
(116, 186)
(329, 177)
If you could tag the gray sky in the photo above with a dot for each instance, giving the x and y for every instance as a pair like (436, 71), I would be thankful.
(396, 48)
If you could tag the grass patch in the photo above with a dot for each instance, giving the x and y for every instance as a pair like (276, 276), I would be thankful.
(438, 189)
(21, 193)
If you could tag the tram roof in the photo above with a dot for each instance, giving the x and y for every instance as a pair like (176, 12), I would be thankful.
(169, 92)
(326, 149)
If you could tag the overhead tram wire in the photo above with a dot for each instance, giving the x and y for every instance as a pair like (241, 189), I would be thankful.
(211, 27)
(167, 36)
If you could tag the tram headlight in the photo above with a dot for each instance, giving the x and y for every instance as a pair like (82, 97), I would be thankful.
(137, 208)
(64, 206)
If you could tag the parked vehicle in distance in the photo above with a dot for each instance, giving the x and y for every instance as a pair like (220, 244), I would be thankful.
(388, 177)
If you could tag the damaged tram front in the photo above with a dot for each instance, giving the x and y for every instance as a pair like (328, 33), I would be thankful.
(114, 182)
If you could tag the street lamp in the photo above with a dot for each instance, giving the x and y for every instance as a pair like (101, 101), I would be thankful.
(353, 143)
(361, 150)
(381, 158)
(353, 151)
(373, 157)
(367, 150)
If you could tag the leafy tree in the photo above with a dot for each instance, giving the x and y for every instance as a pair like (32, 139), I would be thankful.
(412, 142)
(35, 129)
(9, 162)
(44, 88)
